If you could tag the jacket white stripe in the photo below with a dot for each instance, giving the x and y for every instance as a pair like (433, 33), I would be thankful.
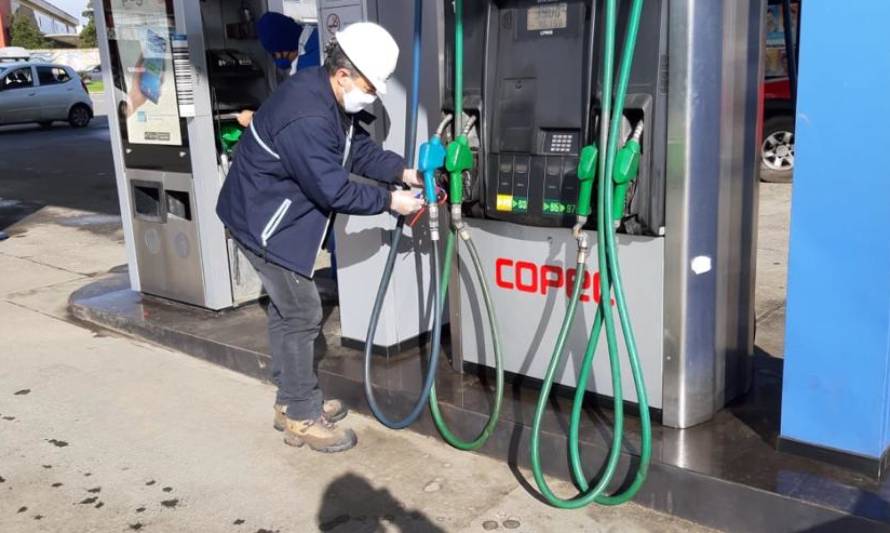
(275, 221)
(261, 143)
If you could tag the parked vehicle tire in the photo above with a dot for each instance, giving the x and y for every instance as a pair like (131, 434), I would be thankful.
(79, 116)
(777, 150)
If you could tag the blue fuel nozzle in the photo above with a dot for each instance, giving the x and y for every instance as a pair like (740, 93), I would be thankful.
(431, 158)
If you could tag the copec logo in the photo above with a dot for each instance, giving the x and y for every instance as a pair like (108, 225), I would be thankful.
(529, 277)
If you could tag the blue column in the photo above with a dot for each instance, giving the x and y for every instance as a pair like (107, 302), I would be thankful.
(836, 392)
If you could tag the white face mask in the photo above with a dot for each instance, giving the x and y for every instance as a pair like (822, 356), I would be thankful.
(355, 99)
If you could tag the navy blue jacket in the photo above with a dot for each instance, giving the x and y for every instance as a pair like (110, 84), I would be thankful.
(283, 189)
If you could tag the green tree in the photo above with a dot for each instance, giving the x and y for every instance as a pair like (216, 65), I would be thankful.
(24, 33)
(88, 33)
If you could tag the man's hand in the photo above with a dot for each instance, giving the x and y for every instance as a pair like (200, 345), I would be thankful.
(244, 118)
(412, 178)
(404, 202)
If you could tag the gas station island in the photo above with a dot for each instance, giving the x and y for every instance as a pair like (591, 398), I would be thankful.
(577, 295)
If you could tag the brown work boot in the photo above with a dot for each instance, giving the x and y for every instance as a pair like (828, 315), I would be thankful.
(319, 434)
(332, 410)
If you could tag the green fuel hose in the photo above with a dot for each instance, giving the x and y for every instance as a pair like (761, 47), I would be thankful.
(490, 426)
(458, 64)
(606, 208)
(611, 283)
(459, 159)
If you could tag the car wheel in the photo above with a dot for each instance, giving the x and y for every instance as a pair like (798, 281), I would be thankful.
(79, 116)
(777, 150)
(46, 125)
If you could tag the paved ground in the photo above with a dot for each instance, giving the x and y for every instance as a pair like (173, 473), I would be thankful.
(772, 266)
(104, 433)
(62, 166)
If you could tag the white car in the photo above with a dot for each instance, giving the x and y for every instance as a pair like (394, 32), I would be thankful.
(43, 93)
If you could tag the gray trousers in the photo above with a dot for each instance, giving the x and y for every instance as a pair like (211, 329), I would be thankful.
(294, 314)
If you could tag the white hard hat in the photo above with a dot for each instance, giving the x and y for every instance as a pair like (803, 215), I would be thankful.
(372, 50)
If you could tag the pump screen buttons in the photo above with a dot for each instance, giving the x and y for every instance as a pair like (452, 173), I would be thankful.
(560, 143)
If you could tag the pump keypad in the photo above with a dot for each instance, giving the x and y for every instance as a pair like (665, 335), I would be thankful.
(561, 142)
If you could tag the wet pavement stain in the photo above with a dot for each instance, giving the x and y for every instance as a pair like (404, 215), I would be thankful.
(89, 501)
(9, 418)
(100, 505)
(170, 504)
(2, 479)
(238, 522)
(81, 221)
(88, 474)
(136, 527)
(47, 466)
(140, 510)
(22, 392)
(56, 485)
(38, 517)
(22, 510)
(96, 490)
(167, 489)
(150, 483)
(267, 531)
(57, 443)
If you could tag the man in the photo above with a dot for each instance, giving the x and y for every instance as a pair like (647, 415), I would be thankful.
(288, 179)
(280, 37)
(292, 46)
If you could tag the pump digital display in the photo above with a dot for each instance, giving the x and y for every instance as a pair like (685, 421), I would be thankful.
(551, 17)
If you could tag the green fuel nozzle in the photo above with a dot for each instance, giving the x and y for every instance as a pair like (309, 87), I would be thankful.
(627, 166)
(586, 175)
(459, 159)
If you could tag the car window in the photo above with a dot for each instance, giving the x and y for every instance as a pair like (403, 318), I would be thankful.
(52, 75)
(18, 79)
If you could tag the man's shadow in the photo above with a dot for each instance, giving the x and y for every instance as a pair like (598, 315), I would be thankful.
(351, 504)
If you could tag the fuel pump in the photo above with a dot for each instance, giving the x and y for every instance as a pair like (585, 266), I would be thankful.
(538, 86)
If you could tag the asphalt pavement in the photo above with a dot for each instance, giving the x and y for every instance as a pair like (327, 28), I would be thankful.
(60, 166)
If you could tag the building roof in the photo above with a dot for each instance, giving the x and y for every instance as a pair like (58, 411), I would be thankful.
(44, 5)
